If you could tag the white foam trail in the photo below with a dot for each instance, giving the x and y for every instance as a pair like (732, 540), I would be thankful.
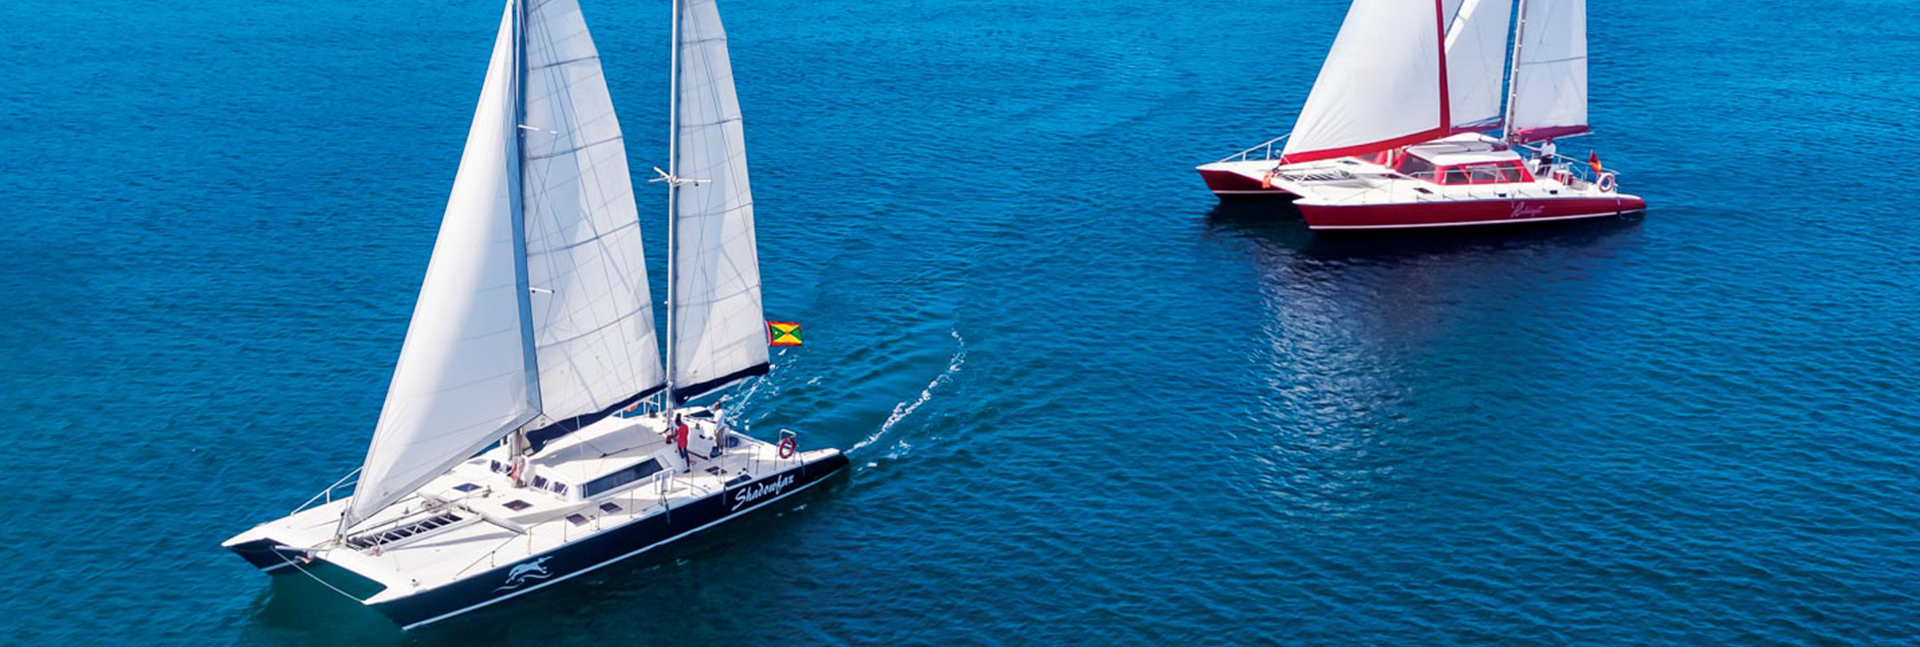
(904, 409)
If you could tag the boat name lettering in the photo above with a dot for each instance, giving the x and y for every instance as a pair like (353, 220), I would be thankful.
(750, 493)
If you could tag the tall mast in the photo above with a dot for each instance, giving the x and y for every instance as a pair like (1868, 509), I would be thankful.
(516, 185)
(1513, 74)
(673, 194)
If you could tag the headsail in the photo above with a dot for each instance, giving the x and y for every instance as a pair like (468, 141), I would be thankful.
(1550, 72)
(1383, 84)
(463, 379)
(591, 308)
(719, 334)
(1476, 49)
(535, 311)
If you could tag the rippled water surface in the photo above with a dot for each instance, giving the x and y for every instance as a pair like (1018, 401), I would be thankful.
(1087, 404)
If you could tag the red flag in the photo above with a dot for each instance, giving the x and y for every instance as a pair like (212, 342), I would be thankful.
(1593, 160)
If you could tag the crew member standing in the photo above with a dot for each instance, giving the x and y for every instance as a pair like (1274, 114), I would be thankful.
(680, 440)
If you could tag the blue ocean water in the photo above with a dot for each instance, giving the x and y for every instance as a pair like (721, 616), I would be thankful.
(1087, 404)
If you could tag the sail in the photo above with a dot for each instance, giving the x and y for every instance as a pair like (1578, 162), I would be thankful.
(1381, 86)
(1550, 75)
(1477, 62)
(464, 378)
(718, 331)
(592, 312)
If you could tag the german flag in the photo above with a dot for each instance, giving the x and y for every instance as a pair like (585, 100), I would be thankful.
(783, 333)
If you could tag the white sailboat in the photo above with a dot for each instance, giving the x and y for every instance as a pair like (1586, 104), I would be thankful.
(1395, 133)
(499, 464)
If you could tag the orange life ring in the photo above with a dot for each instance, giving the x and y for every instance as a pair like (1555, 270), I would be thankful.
(788, 447)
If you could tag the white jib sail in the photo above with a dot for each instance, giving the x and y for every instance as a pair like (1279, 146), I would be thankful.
(591, 309)
(463, 379)
(1550, 79)
(1379, 87)
(719, 334)
(1477, 62)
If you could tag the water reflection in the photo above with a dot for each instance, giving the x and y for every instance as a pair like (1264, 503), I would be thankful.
(1367, 341)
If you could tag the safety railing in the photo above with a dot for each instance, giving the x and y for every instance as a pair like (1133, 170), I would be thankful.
(347, 481)
(1265, 150)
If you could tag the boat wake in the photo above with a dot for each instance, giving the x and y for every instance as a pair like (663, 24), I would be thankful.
(904, 409)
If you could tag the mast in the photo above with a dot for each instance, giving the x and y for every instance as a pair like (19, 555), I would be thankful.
(1513, 74)
(516, 185)
(673, 196)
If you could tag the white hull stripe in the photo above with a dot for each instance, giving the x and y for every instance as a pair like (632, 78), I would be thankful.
(1502, 221)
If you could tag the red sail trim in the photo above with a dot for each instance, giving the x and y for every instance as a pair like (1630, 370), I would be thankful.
(1362, 149)
(1440, 43)
(1527, 135)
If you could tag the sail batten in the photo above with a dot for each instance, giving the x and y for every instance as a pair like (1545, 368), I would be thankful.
(718, 332)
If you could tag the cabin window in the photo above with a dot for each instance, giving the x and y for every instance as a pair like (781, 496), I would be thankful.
(1413, 166)
(466, 487)
(1483, 174)
(610, 507)
(517, 505)
(540, 482)
(613, 481)
(1456, 175)
(577, 519)
(1510, 172)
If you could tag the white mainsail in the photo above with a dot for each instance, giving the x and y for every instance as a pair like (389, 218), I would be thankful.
(464, 378)
(1476, 49)
(1550, 72)
(1380, 87)
(718, 331)
(592, 311)
(535, 310)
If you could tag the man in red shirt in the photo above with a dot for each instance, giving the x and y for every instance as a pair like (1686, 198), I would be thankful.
(680, 439)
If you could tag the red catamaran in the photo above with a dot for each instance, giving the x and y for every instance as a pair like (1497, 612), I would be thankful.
(1400, 128)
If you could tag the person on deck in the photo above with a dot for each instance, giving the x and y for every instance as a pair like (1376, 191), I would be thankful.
(680, 440)
(1547, 152)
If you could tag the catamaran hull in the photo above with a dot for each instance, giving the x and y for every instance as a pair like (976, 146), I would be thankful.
(571, 559)
(1241, 179)
(1463, 213)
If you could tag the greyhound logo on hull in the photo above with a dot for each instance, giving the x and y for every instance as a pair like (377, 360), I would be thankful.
(754, 492)
(524, 573)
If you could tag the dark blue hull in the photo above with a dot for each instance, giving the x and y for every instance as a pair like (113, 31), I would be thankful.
(605, 548)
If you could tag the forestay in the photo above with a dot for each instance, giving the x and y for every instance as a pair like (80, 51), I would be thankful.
(1550, 74)
(1381, 86)
(464, 377)
(718, 331)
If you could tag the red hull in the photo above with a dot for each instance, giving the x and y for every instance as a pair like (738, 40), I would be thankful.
(1464, 212)
(1231, 184)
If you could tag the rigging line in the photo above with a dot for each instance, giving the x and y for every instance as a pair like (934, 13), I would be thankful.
(575, 149)
(316, 578)
(569, 61)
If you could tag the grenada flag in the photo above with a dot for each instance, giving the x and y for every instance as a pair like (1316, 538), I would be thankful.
(783, 333)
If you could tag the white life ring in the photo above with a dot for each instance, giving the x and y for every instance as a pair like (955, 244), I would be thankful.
(1605, 183)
